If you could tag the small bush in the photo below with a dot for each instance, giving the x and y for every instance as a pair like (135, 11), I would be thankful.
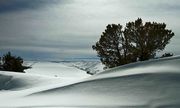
(167, 55)
(12, 63)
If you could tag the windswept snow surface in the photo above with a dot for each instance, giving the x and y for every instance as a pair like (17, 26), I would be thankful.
(150, 84)
(56, 70)
(91, 67)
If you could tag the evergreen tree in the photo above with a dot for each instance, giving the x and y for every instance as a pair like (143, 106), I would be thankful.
(113, 48)
(148, 38)
(12, 63)
(137, 41)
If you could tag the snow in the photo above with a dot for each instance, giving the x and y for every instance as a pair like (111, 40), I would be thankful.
(150, 84)
(56, 70)
(92, 67)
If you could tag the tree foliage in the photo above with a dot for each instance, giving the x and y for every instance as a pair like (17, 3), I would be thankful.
(137, 41)
(12, 63)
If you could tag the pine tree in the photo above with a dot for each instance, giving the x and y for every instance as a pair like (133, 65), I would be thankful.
(137, 41)
(148, 38)
(113, 47)
(12, 63)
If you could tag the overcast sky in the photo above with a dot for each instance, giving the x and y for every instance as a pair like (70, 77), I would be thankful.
(61, 29)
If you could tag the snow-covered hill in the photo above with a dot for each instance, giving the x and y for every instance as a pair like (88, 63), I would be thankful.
(150, 84)
(53, 69)
(91, 67)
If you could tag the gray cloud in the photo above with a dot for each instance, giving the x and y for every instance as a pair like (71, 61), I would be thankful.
(20, 5)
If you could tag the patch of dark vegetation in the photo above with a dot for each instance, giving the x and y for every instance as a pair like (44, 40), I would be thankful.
(137, 41)
(12, 63)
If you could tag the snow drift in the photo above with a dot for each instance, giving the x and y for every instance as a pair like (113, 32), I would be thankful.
(19, 81)
(150, 84)
(52, 69)
(91, 67)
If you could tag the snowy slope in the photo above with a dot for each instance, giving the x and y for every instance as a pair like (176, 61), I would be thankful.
(19, 81)
(91, 67)
(150, 84)
(56, 70)
(42, 76)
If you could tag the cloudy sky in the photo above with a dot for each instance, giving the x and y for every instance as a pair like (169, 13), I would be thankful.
(62, 29)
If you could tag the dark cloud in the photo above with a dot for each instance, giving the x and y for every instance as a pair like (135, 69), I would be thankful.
(18, 5)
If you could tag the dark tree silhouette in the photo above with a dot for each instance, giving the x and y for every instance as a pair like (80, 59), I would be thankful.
(147, 38)
(12, 63)
(137, 41)
(113, 47)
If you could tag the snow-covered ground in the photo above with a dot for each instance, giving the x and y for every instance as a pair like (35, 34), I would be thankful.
(150, 84)
(91, 67)
(52, 69)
